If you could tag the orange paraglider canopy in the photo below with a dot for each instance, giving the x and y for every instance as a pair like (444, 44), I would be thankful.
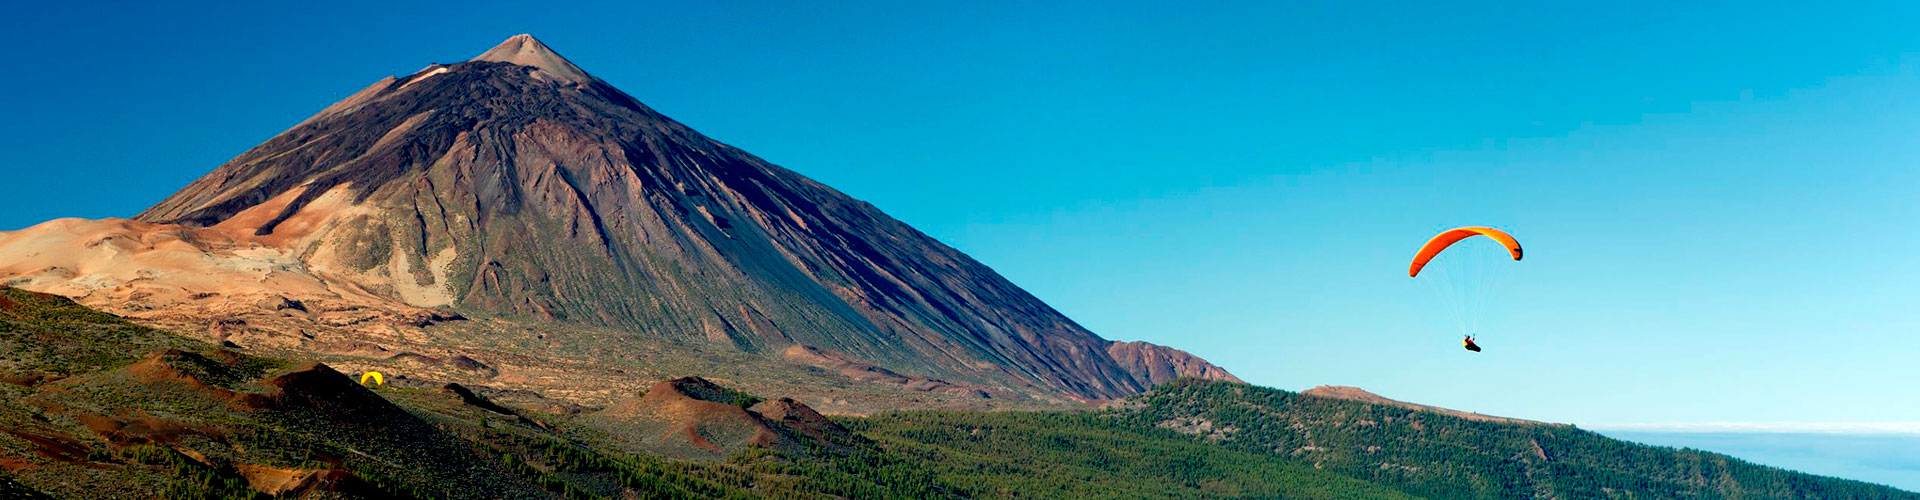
(1449, 237)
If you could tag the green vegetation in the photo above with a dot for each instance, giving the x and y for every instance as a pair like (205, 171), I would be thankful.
(80, 420)
(835, 466)
(1439, 456)
(11, 489)
(1065, 455)
(191, 480)
(47, 334)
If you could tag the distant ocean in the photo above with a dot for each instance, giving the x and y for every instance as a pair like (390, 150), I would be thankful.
(1892, 460)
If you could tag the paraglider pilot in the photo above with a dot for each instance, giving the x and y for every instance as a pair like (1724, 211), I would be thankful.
(1469, 344)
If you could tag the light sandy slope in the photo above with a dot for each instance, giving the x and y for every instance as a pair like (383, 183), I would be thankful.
(221, 280)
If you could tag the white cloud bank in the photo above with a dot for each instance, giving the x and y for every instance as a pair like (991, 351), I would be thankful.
(1908, 428)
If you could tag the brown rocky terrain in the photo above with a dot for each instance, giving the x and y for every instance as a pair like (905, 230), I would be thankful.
(512, 222)
(691, 417)
(1155, 364)
(864, 372)
(799, 417)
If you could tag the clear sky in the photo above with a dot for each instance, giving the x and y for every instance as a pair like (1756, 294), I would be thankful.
(1719, 201)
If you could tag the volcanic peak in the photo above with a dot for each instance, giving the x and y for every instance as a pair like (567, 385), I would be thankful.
(525, 50)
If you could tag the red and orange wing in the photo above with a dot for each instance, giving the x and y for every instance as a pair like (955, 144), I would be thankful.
(1449, 237)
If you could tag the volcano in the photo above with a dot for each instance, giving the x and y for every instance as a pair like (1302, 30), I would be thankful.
(517, 186)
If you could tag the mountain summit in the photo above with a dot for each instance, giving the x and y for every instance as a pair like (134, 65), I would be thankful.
(524, 50)
(515, 186)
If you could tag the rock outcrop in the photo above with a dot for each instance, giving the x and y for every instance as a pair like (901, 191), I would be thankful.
(1156, 364)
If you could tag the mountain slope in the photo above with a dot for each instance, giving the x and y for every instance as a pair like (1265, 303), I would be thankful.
(1443, 455)
(1087, 456)
(517, 185)
(94, 407)
(88, 412)
(1360, 395)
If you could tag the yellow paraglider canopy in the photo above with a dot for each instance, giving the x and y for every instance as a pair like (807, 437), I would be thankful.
(377, 378)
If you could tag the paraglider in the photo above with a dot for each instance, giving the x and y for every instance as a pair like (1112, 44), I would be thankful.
(1464, 289)
(376, 377)
(1449, 237)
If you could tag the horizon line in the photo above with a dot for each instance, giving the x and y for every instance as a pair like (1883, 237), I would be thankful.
(1730, 427)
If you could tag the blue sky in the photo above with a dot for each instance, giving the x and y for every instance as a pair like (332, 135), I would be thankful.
(1717, 199)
